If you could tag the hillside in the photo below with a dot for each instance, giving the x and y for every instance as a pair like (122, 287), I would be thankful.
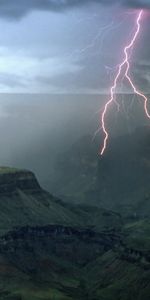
(23, 202)
(55, 250)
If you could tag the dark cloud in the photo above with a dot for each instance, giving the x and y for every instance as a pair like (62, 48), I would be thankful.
(18, 8)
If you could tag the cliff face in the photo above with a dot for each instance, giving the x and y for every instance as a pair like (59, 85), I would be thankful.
(71, 245)
(13, 179)
(74, 245)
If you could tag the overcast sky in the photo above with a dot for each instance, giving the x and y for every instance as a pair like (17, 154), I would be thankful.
(60, 46)
(65, 47)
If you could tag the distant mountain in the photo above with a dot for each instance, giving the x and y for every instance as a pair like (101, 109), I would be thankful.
(124, 174)
(119, 180)
(76, 170)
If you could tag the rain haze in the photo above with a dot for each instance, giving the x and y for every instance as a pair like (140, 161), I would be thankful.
(57, 61)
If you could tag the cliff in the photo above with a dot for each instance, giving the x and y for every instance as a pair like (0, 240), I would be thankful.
(23, 202)
(12, 179)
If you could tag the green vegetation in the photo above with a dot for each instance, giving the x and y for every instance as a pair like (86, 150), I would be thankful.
(8, 170)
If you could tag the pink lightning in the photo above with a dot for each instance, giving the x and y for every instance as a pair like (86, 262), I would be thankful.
(124, 63)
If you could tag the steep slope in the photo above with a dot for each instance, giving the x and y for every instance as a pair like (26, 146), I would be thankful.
(119, 275)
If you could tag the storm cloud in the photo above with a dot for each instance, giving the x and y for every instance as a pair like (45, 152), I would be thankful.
(58, 50)
(14, 9)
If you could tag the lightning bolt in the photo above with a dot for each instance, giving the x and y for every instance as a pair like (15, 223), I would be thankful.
(125, 66)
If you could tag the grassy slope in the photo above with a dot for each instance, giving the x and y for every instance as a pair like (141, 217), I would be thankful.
(115, 279)
(138, 235)
(26, 209)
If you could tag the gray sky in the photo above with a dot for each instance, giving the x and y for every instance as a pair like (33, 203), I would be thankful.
(58, 46)
(62, 47)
